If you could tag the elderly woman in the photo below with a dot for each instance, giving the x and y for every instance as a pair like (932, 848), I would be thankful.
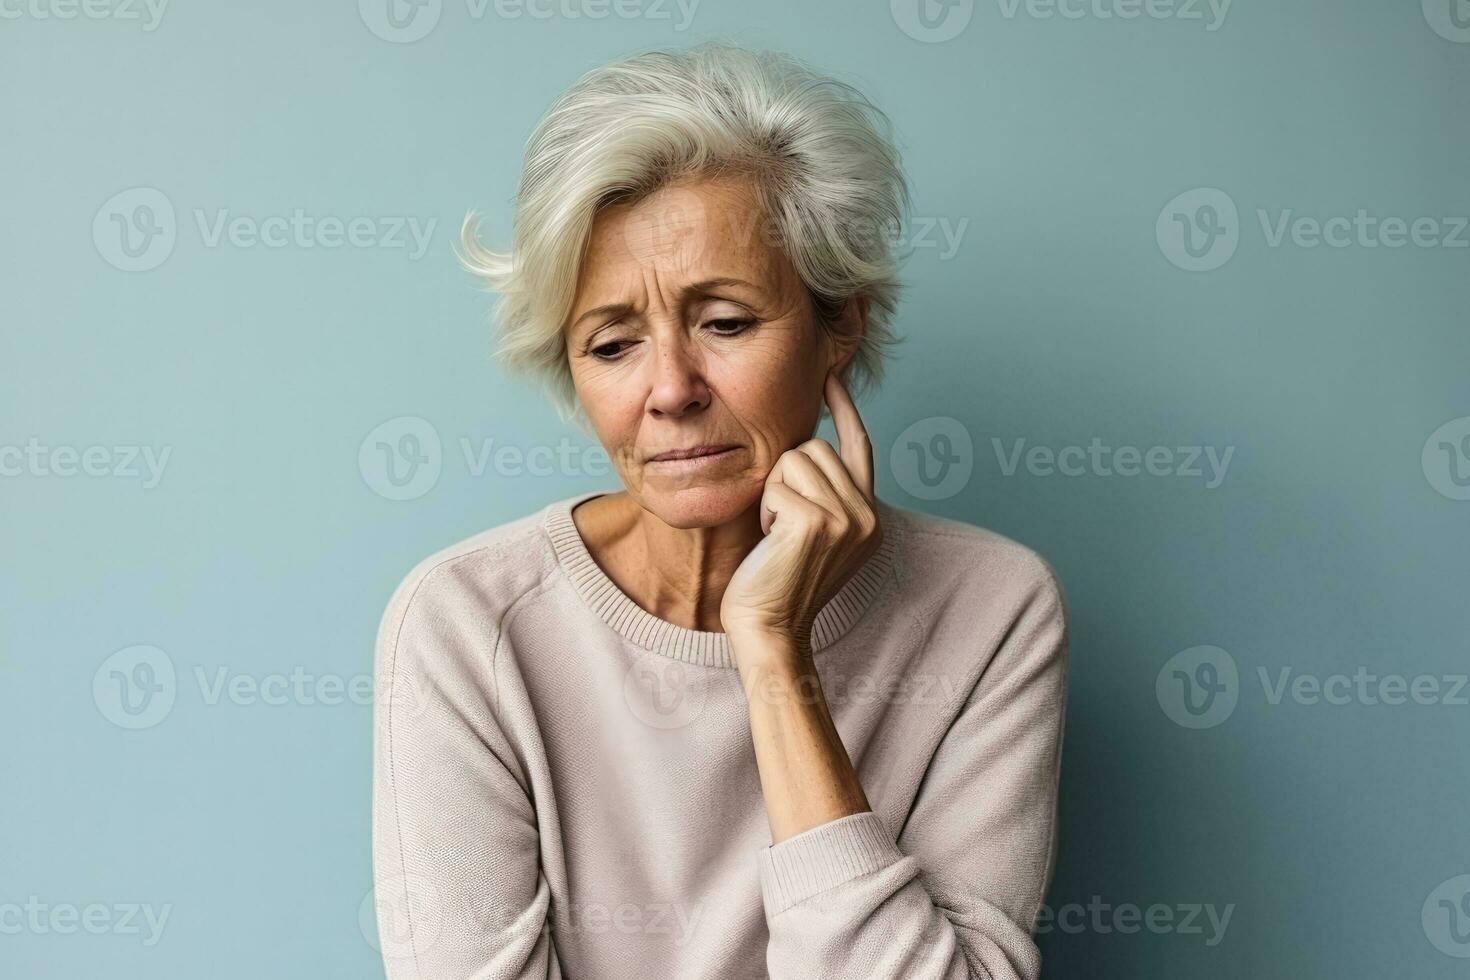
(739, 718)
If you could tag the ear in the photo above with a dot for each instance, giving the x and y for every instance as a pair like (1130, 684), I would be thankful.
(847, 333)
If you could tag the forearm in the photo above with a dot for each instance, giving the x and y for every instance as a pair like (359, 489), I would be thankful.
(806, 776)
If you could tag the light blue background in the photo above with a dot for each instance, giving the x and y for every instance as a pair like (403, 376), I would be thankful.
(264, 548)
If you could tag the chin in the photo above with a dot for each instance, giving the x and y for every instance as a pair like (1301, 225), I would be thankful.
(702, 504)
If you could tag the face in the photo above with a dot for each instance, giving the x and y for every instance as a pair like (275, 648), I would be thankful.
(691, 332)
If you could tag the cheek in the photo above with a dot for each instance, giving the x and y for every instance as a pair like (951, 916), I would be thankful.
(769, 388)
(754, 390)
(613, 408)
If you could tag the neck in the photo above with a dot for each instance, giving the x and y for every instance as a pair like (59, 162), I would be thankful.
(677, 574)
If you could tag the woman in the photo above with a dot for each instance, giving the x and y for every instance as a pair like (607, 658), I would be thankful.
(740, 718)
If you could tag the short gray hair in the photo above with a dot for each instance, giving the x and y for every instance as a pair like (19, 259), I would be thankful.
(821, 156)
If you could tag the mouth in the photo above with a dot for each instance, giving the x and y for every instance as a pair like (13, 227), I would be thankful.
(694, 455)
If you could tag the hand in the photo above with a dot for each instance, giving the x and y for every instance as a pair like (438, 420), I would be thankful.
(820, 524)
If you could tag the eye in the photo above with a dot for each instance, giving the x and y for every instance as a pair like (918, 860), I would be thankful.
(609, 351)
(729, 328)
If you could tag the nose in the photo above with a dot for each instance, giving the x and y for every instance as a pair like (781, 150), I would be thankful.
(677, 387)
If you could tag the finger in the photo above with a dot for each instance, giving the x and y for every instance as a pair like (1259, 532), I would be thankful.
(773, 479)
(780, 499)
(837, 473)
(852, 435)
(801, 473)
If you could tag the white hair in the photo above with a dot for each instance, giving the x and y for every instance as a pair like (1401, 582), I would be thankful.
(821, 156)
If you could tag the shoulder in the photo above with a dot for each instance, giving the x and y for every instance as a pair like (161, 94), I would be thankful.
(472, 582)
(948, 564)
(986, 606)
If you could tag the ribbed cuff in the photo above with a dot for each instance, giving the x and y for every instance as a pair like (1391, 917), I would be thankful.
(822, 858)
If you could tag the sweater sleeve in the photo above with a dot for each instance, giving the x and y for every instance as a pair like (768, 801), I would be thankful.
(957, 894)
(458, 885)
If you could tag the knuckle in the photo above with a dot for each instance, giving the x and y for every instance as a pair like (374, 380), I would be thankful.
(816, 446)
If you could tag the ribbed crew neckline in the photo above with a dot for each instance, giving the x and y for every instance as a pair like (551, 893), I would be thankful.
(710, 649)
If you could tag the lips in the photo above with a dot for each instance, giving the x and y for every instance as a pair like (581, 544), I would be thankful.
(692, 452)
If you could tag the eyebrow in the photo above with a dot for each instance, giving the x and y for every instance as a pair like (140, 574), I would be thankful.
(693, 289)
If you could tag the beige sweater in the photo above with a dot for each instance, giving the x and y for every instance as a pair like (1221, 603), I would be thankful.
(565, 785)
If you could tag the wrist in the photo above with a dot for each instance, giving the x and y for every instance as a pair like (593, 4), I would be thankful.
(779, 679)
(759, 641)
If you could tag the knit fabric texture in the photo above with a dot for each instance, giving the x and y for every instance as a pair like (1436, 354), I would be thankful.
(565, 785)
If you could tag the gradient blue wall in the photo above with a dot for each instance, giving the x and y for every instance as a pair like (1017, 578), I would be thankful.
(1138, 341)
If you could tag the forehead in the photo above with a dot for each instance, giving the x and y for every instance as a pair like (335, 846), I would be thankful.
(679, 234)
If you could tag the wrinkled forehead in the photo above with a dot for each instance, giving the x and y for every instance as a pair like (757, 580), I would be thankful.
(679, 235)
